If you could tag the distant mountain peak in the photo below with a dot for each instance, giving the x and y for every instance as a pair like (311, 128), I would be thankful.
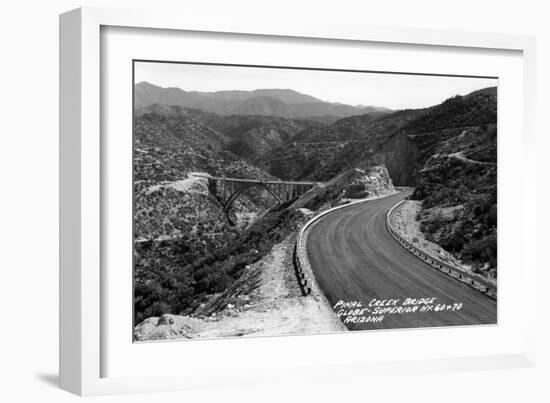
(287, 95)
(281, 102)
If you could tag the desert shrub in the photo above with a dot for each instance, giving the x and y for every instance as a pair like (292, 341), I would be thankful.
(211, 279)
(457, 112)
(240, 147)
(356, 191)
(149, 301)
(482, 250)
(433, 223)
(168, 282)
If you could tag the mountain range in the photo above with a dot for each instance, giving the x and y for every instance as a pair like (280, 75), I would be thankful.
(285, 103)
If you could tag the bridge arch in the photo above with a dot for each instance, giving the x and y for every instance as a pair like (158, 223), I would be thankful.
(226, 190)
(229, 202)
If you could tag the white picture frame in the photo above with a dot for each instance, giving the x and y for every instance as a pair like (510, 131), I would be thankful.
(82, 343)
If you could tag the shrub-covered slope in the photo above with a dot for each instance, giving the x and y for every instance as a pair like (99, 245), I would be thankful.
(458, 186)
(176, 220)
(171, 282)
(402, 141)
(251, 137)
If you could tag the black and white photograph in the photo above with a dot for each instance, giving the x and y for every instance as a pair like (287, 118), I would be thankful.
(290, 201)
(273, 201)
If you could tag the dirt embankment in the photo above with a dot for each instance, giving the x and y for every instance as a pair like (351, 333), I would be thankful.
(265, 301)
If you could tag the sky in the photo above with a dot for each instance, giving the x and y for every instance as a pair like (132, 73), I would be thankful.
(394, 91)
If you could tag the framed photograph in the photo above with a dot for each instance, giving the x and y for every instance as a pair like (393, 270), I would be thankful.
(243, 202)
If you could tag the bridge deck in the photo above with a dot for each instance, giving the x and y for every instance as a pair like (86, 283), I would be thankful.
(265, 182)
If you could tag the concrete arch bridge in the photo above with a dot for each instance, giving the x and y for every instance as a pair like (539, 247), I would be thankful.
(227, 190)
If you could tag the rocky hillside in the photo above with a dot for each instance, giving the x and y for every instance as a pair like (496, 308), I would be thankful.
(181, 285)
(251, 137)
(458, 179)
(203, 287)
(177, 221)
(171, 144)
(458, 187)
(267, 102)
(352, 184)
(320, 153)
(402, 141)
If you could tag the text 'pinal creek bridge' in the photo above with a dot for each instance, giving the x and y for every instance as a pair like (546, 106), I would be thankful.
(227, 190)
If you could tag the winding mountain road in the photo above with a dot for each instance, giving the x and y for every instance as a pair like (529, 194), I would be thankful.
(354, 258)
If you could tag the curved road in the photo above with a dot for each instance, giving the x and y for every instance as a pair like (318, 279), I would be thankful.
(354, 258)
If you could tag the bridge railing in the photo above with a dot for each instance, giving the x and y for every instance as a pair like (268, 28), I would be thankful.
(472, 279)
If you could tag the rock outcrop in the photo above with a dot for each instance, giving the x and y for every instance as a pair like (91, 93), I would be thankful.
(352, 184)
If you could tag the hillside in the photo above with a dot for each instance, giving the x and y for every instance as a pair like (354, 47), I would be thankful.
(458, 187)
(235, 282)
(176, 219)
(403, 140)
(266, 102)
(266, 300)
(320, 153)
(249, 137)
(349, 185)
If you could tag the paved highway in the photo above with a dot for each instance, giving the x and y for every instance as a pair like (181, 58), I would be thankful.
(354, 258)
